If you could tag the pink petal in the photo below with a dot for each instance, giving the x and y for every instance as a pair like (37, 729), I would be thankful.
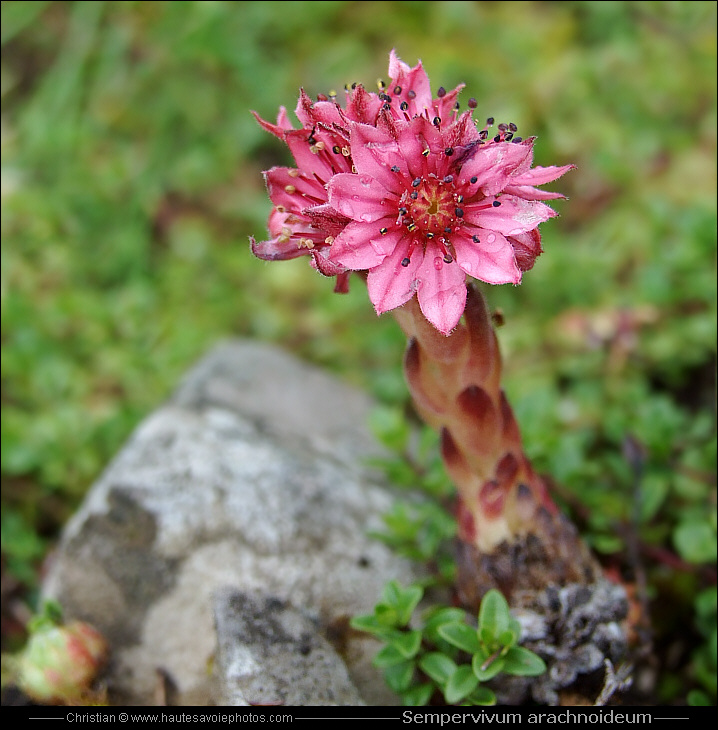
(390, 284)
(530, 193)
(361, 245)
(514, 215)
(540, 175)
(492, 165)
(441, 292)
(323, 265)
(360, 197)
(362, 106)
(491, 260)
(375, 153)
(409, 79)
(527, 248)
(309, 162)
(291, 190)
(283, 124)
(414, 138)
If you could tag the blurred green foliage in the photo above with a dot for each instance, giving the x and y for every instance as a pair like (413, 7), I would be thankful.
(131, 179)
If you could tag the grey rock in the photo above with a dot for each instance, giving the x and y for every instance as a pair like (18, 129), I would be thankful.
(251, 481)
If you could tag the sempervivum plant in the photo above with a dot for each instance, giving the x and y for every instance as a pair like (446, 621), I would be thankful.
(418, 198)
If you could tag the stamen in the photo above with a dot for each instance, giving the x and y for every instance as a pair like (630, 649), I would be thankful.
(405, 262)
(459, 212)
(404, 105)
(449, 151)
(397, 90)
(411, 94)
(383, 231)
(414, 195)
(448, 258)
(436, 121)
(416, 182)
(290, 189)
(475, 239)
(426, 152)
(489, 121)
(449, 179)
(337, 150)
(474, 180)
(473, 103)
(395, 168)
(516, 140)
(441, 92)
(496, 204)
(513, 127)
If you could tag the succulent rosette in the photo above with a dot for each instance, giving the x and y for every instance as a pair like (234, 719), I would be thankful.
(400, 185)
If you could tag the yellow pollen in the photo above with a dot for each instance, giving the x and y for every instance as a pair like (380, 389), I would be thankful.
(293, 173)
(290, 189)
(346, 151)
(305, 243)
(329, 240)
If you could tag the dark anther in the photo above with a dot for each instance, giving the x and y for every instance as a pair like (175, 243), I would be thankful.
(449, 151)
(429, 234)
(383, 231)
(322, 97)
(336, 149)
(447, 258)
(459, 198)
(457, 106)
(449, 179)
(354, 85)
(416, 182)
(473, 103)
(386, 107)
(403, 211)
(508, 136)
(474, 180)
(436, 121)
(397, 90)
(483, 134)
(503, 127)
(475, 239)
(405, 262)
(426, 152)
(447, 229)
(411, 94)
(459, 212)
(516, 140)
(414, 195)
(441, 92)
(385, 97)
(497, 138)
(489, 121)
(496, 203)
(513, 127)
(404, 105)
(411, 227)
(395, 168)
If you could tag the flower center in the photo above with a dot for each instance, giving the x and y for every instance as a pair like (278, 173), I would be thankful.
(433, 206)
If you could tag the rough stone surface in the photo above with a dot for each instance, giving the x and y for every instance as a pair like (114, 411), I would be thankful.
(270, 653)
(248, 488)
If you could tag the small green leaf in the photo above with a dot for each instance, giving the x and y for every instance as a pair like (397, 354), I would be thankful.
(369, 624)
(461, 684)
(388, 657)
(391, 594)
(386, 615)
(408, 601)
(461, 636)
(437, 666)
(407, 644)
(695, 541)
(399, 676)
(486, 668)
(522, 662)
(494, 616)
(418, 696)
(482, 696)
(508, 637)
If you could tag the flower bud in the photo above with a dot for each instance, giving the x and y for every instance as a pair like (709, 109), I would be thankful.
(60, 663)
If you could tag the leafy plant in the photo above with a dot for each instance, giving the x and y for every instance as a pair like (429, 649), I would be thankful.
(449, 653)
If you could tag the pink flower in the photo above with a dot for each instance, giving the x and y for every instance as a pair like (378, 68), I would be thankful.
(400, 185)
(430, 203)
